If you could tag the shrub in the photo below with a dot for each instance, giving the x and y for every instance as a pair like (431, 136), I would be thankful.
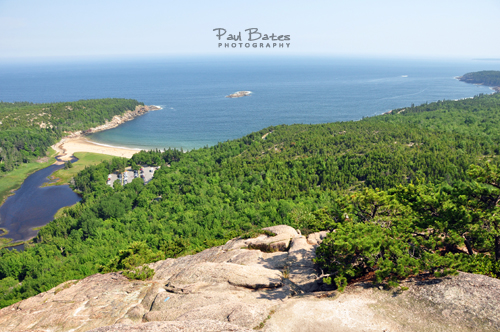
(132, 261)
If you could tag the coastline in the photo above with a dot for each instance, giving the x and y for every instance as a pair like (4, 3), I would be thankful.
(68, 146)
(77, 142)
(496, 89)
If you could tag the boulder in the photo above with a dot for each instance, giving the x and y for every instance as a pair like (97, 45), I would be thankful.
(301, 268)
(254, 277)
(283, 229)
(266, 243)
(317, 238)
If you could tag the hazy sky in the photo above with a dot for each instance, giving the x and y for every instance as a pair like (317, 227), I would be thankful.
(418, 28)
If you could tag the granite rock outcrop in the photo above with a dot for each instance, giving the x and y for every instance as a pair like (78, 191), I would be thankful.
(274, 287)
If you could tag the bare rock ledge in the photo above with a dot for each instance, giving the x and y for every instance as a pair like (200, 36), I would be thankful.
(232, 288)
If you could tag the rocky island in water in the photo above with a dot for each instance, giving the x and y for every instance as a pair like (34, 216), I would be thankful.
(239, 94)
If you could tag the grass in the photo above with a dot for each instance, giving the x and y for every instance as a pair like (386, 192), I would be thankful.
(286, 272)
(13, 180)
(6, 242)
(3, 240)
(60, 213)
(64, 176)
(65, 285)
(263, 323)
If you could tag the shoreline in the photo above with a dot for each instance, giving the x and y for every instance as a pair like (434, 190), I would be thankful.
(496, 89)
(77, 141)
(67, 147)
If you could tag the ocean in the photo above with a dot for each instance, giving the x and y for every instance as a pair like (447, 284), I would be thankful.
(192, 90)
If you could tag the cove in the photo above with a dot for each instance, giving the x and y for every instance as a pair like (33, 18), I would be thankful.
(34, 206)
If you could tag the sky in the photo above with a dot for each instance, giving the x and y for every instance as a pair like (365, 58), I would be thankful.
(34, 29)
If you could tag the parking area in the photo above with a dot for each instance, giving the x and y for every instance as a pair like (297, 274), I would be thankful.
(146, 173)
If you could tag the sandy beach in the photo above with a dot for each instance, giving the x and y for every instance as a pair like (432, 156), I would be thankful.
(68, 146)
(77, 141)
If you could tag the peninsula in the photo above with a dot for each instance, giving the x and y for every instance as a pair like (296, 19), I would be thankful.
(486, 77)
(239, 94)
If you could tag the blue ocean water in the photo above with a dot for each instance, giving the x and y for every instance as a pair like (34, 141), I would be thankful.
(284, 91)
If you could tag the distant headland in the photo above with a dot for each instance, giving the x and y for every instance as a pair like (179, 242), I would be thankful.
(239, 94)
(486, 77)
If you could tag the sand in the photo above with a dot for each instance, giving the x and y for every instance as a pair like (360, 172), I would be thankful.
(77, 142)
(68, 146)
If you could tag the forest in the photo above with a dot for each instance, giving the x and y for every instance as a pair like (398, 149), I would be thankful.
(485, 77)
(413, 191)
(27, 130)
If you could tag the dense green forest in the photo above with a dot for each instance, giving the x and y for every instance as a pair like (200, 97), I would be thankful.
(486, 77)
(27, 129)
(398, 189)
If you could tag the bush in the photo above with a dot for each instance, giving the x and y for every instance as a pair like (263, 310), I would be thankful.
(358, 249)
(140, 273)
(132, 261)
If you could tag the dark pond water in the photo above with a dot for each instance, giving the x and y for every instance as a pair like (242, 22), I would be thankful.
(33, 206)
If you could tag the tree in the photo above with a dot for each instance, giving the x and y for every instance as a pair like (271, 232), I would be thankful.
(118, 165)
(484, 201)
(379, 235)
